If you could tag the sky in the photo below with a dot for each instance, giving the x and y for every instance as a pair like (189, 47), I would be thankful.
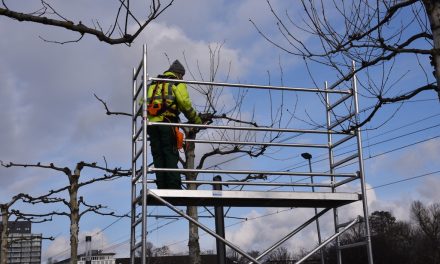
(49, 114)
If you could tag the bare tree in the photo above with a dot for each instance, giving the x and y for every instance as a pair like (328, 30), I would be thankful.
(280, 255)
(374, 34)
(6, 212)
(427, 219)
(126, 26)
(73, 202)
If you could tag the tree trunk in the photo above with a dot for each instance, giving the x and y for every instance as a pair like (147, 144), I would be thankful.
(193, 242)
(4, 235)
(432, 8)
(74, 218)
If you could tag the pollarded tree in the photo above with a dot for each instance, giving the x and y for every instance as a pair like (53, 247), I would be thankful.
(130, 18)
(380, 36)
(7, 212)
(76, 205)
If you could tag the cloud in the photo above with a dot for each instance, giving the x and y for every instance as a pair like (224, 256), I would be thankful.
(409, 162)
(428, 189)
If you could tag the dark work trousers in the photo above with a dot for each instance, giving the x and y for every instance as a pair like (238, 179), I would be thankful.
(165, 155)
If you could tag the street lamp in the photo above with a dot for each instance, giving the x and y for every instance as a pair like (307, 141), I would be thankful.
(308, 157)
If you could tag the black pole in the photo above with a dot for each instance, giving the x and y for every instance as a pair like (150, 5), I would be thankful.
(308, 157)
(219, 225)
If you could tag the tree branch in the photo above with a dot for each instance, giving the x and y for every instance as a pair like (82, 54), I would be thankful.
(108, 112)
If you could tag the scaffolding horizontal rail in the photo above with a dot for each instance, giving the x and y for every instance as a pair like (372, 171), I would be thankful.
(283, 184)
(268, 129)
(241, 85)
(285, 173)
(273, 144)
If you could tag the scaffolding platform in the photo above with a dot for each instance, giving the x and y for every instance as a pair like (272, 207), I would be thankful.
(252, 198)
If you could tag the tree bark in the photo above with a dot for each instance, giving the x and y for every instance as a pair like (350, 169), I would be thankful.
(4, 235)
(432, 8)
(74, 218)
(193, 242)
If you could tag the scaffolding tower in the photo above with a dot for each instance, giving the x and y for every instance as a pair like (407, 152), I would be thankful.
(327, 198)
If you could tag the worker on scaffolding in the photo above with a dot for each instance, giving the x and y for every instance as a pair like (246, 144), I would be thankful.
(165, 102)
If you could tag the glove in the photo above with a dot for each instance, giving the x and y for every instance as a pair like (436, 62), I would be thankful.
(206, 118)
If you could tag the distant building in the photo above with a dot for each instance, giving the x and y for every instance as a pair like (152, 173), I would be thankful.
(24, 247)
(97, 257)
(91, 256)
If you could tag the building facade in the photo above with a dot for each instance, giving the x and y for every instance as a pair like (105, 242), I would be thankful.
(97, 257)
(23, 246)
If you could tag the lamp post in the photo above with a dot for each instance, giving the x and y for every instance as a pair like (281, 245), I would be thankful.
(308, 157)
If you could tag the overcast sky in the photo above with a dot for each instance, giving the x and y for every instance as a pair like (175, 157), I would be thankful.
(48, 114)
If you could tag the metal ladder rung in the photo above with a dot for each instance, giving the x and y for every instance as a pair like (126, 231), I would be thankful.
(357, 244)
(334, 165)
(138, 69)
(137, 155)
(344, 182)
(136, 222)
(342, 99)
(342, 225)
(136, 178)
(341, 120)
(137, 200)
(138, 113)
(342, 141)
(138, 245)
(138, 133)
(136, 94)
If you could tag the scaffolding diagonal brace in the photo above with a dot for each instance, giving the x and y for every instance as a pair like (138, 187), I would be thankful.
(206, 229)
(352, 223)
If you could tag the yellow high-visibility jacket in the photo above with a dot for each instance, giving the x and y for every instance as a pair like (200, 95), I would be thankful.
(176, 99)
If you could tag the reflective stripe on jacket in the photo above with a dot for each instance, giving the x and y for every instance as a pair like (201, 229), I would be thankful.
(177, 100)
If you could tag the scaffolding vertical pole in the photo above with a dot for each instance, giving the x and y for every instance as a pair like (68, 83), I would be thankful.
(144, 156)
(219, 226)
(133, 173)
(361, 169)
(331, 161)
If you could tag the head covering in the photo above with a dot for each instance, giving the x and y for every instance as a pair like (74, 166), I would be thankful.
(177, 67)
